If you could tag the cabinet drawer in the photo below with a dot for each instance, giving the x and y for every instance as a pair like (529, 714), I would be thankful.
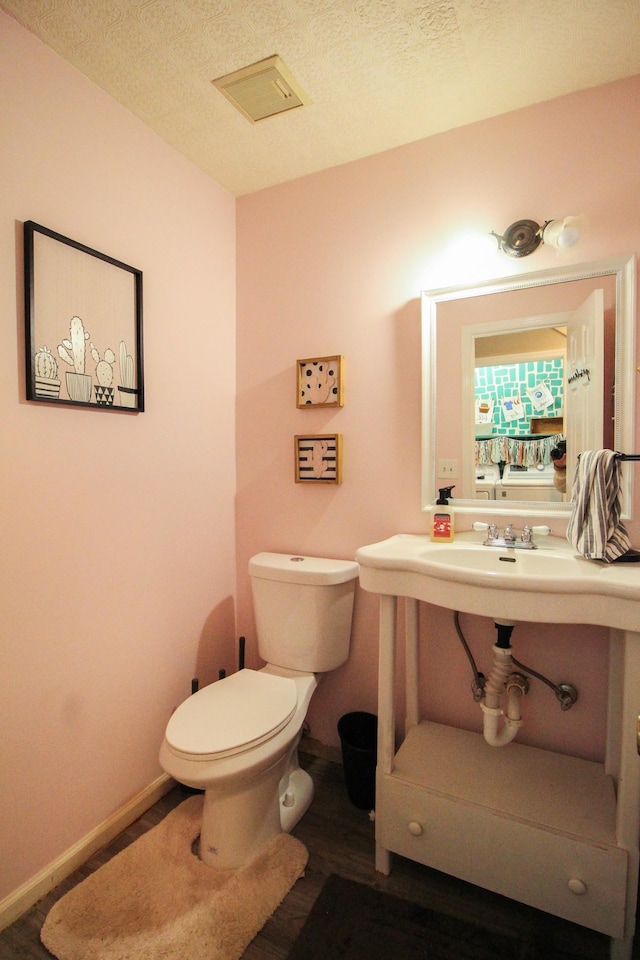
(580, 880)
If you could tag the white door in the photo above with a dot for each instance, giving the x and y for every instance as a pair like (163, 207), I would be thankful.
(584, 388)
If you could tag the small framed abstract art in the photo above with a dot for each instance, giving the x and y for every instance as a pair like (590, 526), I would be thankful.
(83, 324)
(318, 458)
(320, 382)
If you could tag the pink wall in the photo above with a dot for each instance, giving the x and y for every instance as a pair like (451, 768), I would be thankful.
(334, 263)
(117, 530)
(95, 651)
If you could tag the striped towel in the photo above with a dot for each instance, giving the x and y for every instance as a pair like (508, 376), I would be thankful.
(594, 528)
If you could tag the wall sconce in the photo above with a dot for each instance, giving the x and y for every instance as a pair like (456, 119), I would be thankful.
(524, 236)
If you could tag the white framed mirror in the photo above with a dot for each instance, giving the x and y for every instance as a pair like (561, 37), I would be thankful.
(464, 328)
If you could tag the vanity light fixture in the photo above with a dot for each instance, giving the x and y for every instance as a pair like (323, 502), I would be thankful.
(524, 236)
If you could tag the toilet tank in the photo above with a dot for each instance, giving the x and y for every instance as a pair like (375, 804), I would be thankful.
(303, 608)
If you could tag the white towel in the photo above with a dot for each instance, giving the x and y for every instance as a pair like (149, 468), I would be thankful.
(594, 528)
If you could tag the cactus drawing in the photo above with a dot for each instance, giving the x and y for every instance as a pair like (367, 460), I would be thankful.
(127, 389)
(104, 368)
(316, 459)
(104, 375)
(76, 345)
(46, 364)
(126, 366)
(72, 351)
(45, 368)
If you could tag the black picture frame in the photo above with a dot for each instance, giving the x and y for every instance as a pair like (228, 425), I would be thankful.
(83, 318)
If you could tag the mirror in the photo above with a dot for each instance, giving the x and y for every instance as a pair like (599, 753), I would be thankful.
(464, 326)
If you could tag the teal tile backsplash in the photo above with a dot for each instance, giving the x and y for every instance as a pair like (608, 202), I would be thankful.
(510, 381)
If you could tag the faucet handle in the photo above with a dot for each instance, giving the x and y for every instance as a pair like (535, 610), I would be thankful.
(490, 528)
(528, 531)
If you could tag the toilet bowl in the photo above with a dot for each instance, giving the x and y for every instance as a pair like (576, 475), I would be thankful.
(234, 739)
(237, 739)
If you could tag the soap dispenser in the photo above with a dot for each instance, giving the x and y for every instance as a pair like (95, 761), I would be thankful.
(442, 525)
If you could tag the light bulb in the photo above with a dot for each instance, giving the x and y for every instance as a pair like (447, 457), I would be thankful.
(568, 237)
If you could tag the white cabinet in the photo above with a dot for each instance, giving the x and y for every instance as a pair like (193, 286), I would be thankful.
(517, 821)
(556, 832)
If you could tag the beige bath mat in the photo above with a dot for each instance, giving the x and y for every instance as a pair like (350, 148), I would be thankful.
(157, 901)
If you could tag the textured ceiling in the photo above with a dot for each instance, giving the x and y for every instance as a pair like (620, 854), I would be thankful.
(380, 73)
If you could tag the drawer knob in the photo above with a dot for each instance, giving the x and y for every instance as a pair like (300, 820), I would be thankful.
(577, 886)
(415, 828)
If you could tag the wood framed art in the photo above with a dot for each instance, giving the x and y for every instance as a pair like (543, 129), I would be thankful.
(83, 324)
(320, 382)
(318, 458)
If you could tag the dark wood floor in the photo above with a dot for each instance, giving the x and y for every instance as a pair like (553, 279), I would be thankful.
(340, 839)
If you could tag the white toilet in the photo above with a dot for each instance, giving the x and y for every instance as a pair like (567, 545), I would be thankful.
(237, 739)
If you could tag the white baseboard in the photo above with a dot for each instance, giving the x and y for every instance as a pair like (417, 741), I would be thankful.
(16, 903)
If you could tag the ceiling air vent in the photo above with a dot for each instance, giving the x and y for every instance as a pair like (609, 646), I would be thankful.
(262, 90)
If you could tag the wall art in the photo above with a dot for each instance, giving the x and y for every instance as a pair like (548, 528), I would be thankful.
(318, 458)
(83, 324)
(320, 382)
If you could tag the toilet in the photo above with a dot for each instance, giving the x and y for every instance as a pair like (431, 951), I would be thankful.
(237, 739)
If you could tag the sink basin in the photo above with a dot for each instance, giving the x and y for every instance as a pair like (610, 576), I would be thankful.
(533, 565)
(549, 584)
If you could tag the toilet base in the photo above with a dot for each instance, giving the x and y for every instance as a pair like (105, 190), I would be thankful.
(238, 824)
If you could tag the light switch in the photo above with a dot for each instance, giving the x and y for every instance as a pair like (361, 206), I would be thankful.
(448, 468)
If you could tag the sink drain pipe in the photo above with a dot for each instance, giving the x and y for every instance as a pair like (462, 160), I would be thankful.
(502, 679)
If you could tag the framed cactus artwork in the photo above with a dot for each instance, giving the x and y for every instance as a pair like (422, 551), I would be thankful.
(83, 324)
(320, 382)
(318, 458)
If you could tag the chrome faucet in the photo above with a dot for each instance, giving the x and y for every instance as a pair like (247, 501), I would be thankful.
(508, 537)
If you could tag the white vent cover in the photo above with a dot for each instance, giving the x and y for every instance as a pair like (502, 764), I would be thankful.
(262, 89)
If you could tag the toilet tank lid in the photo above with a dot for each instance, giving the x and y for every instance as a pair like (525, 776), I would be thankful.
(292, 568)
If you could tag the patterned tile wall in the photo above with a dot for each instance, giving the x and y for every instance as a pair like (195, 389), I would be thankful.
(510, 381)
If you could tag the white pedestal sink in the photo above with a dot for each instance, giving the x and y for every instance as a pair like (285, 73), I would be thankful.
(551, 584)
(557, 832)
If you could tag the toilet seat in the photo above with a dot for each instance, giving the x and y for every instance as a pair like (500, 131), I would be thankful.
(232, 715)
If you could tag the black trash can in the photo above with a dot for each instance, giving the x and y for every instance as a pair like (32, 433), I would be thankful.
(359, 740)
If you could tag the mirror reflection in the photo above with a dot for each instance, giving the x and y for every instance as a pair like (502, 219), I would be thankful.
(519, 372)
(519, 447)
(543, 405)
